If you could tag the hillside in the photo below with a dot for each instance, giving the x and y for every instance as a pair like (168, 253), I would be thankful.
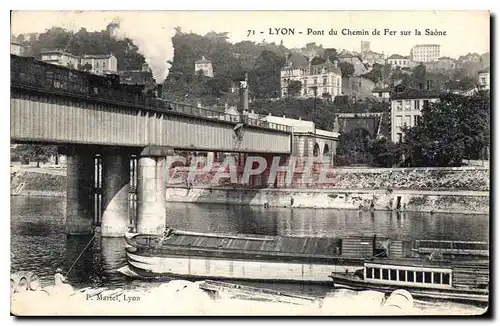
(230, 61)
(84, 42)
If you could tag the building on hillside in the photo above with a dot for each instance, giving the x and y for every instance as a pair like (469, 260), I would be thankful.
(100, 63)
(357, 87)
(485, 60)
(383, 94)
(469, 57)
(371, 121)
(15, 48)
(311, 50)
(315, 80)
(359, 67)
(370, 58)
(406, 109)
(204, 65)
(443, 63)
(397, 60)
(142, 79)
(60, 58)
(484, 79)
(365, 47)
(425, 52)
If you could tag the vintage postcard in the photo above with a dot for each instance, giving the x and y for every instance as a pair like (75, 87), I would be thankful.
(322, 163)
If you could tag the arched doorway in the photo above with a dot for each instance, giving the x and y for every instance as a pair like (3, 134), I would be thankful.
(316, 150)
(326, 155)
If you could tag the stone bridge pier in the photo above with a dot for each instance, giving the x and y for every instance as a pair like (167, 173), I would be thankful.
(83, 183)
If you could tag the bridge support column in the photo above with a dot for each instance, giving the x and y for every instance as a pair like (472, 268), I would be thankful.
(115, 188)
(79, 191)
(151, 215)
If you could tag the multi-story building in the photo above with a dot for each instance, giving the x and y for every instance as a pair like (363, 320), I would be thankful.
(383, 94)
(15, 48)
(365, 47)
(484, 79)
(359, 67)
(315, 80)
(204, 65)
(100, 63)
(425, 52)
(397, 60)
(443, 63)
(60, 58)
(97, 63)
(406, 109)
(370, 58)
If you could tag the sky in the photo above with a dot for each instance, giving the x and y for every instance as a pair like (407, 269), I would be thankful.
(151, 31)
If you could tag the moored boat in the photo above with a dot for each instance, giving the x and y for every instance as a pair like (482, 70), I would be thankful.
(195, 255)
(460, 281)
(253, 257)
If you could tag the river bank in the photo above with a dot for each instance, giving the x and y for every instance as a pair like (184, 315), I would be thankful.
(431, 190)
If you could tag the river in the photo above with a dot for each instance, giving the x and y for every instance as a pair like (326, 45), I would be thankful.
(38, 241)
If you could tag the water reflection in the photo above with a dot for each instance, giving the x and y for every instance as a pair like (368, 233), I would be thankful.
(38, 241)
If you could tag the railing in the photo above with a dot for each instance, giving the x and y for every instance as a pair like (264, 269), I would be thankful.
(42, 76)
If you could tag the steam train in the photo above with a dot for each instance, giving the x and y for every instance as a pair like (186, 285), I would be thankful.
(28, 71)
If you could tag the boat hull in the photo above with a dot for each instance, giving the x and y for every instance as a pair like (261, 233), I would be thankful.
(480, 297)
(196, 267)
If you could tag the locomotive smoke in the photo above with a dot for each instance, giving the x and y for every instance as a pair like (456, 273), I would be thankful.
(156, 53)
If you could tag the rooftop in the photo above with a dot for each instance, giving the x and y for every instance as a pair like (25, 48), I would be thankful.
(422, 45)
(413, 93)
(97, 56)
(487, 69)
(203, 60)
(397, 56)
(57, 51)
(381, 90)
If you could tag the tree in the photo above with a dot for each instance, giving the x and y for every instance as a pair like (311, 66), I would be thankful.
(457, 127)
(294, 87)
(384, 152)
(346, 68)
(353, 147)
(317, 61)
(36, 152)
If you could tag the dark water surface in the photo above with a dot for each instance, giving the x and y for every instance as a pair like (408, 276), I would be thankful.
(38, 242)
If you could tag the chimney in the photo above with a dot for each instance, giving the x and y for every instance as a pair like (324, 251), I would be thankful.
(253, 112)
(145, 67)
(335, 63)
(199, 104)
(226, 106)
(269, 113)
(300, 118)
(284, 116)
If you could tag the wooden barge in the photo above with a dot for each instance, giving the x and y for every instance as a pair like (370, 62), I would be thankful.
(462, 281)
(194, 255)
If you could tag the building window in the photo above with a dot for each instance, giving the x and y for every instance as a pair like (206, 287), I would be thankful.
(104, 65)
(407, 105)
(417, 105)
(416, 119)
(305, 82)
(399, 121)
(408, 121)
(315, 81)
(399, 105)
(400, 137)
(483, 80)
(426, 104)
(325, 81)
